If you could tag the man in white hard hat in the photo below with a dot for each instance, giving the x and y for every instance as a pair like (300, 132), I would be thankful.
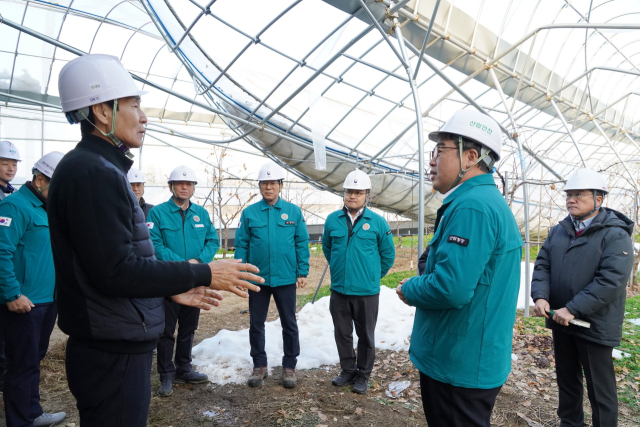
(110, 288)
(27, 280)
(272, 234)
(467, 295)
(9, 158)
(581, 272)
(180, 231)
(137, 180)
(358, 246)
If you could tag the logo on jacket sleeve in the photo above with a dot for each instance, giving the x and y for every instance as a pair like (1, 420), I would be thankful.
(149, 225)
(196, 218)
(284, 216)
(366, 227)
(459, 240)
(5, 221)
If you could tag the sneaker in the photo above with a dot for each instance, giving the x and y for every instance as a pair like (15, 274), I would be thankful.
(166, 388)
(191, 377)
(289, 379)
(48, 420)
(361, 385)
(344, 378)
(257, 377)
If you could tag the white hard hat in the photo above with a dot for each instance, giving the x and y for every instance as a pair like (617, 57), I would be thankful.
(586, 179)
(9, 151)
(135, 176)
(270, 171)
(357, 180)
(90, 80)
(47, 164)
(183, 173)
(474, 125)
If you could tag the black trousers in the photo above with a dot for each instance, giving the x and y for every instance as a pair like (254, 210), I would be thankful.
(573, 356)
(446, 405)
(111, 389)
(26, 338)
(361, 311)
(285, 298)
(187, 319)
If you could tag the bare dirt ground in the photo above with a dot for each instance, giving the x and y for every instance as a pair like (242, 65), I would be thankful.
(529, 398)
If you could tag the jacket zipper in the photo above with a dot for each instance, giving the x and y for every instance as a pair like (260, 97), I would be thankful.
(144, 326)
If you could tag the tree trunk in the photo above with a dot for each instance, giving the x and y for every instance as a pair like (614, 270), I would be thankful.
(634, 274)
(398, 233)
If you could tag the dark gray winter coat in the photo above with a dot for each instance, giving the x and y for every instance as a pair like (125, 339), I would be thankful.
(587, 275)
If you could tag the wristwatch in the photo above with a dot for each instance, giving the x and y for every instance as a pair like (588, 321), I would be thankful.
(13, 298)
(302, 275)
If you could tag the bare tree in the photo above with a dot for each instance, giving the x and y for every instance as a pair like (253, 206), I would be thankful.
(400, 220)
(229, 194)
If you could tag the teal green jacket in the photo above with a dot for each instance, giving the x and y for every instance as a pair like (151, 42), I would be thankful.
(274, 239)
(26, 260)
(466, 298)
(182, 238)
(358, 262)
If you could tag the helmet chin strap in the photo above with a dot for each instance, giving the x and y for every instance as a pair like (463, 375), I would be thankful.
(578, 219)
(180, 199)
(462, 169)
(36, 172)
(111, 135)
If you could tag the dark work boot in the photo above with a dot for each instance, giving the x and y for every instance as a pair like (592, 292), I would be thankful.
(191, 377)
(257, 376)
(361, 385)
(166, 388)
(289, 379)
(344, 379)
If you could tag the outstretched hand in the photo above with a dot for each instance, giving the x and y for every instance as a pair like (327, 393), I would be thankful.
(233, 276)
(200, 297)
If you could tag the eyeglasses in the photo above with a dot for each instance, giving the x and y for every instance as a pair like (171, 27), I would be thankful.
(570, 196)
(436, 151)
(355, 193)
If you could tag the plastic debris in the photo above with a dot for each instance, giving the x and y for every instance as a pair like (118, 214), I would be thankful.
(396, 388)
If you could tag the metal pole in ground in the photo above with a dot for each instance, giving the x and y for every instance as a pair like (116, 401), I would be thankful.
(320, 283)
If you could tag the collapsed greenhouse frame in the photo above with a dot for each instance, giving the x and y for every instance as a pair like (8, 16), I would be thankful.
(383, 17)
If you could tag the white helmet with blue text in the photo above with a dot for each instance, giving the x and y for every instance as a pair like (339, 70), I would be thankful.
(357, 180)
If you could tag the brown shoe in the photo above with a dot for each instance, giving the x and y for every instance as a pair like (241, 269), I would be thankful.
(289, 379)
(258, 375)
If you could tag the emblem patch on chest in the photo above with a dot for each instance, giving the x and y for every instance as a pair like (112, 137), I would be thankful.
(366, 227)
(196, 218)
(459, 240)
(284, 216)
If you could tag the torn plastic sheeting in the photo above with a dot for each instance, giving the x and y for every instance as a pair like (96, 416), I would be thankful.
(396, 388)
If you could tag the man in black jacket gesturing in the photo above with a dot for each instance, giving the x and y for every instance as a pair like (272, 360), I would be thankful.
(109, 285)
(581, 272)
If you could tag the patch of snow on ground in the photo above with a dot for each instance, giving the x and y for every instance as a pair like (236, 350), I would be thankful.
(634, 321)
(617, 354)
(522, 294)
(225, 357)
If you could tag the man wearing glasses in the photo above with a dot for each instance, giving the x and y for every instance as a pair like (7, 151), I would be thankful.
(581, 272)
(466, 297)
(358, 246)
(273, 235)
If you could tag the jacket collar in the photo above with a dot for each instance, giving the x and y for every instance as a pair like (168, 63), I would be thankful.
(8, 189)
(142, 202)
(175, 208)
(484, 179)
(105, 149)
(264, 205)
(29, 193)
(365, 214)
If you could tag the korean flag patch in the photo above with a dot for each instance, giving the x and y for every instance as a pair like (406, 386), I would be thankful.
(5, 221)
(149, 225)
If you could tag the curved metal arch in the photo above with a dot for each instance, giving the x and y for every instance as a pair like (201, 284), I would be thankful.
(131, 37)
(102, 22)
(55, 48)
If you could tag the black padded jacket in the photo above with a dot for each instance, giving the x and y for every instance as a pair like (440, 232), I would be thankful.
(109, 285)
